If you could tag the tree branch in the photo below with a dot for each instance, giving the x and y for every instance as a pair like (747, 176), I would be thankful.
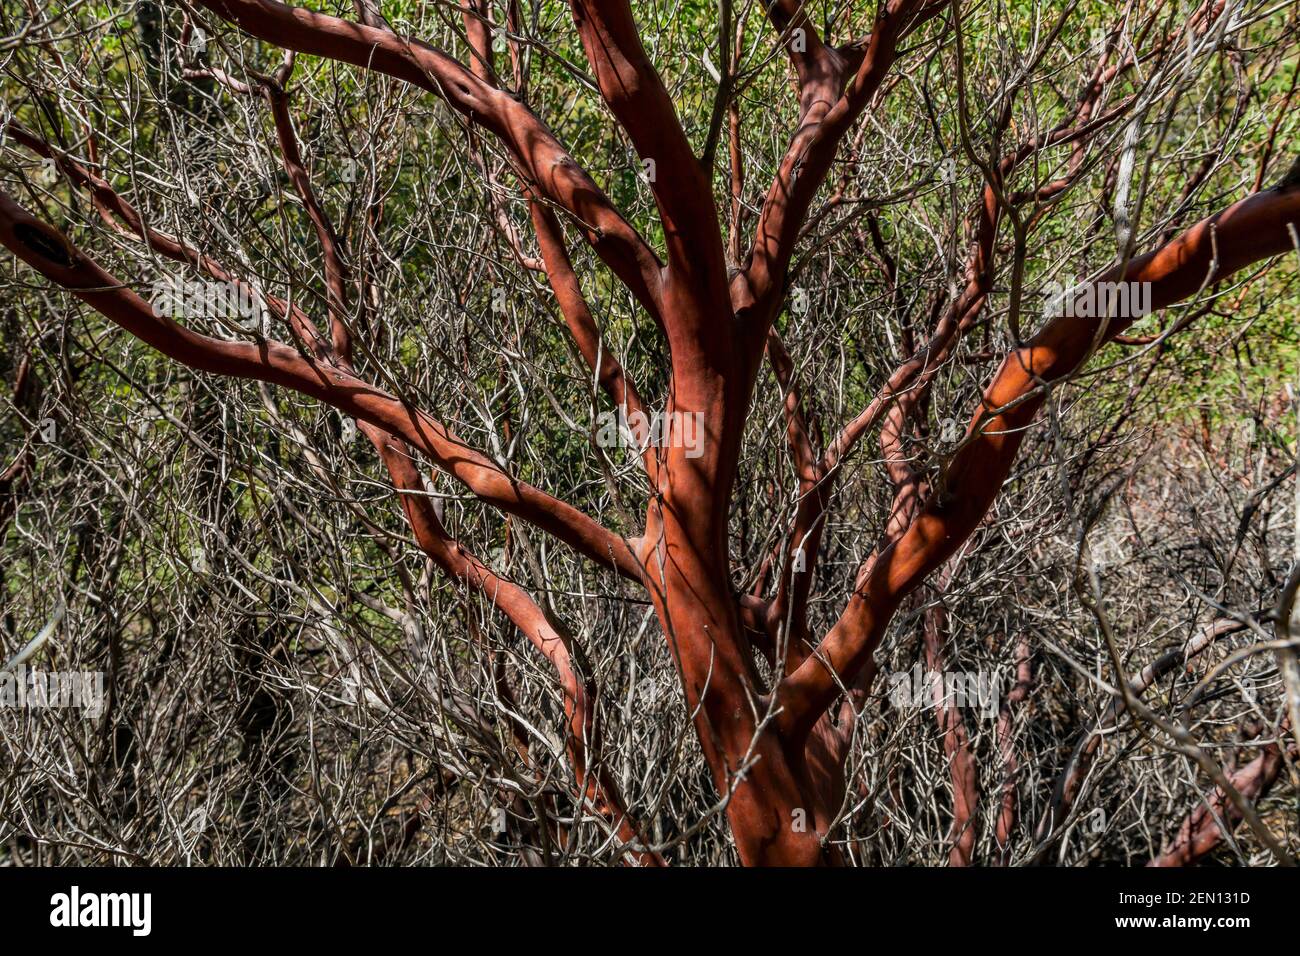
(1253, 229)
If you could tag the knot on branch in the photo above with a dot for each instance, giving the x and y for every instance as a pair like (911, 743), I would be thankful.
(45, 243)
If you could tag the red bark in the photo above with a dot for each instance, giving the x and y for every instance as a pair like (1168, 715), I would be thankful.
(772, 752)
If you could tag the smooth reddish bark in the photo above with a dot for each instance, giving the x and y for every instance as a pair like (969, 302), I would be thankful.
(772, 753)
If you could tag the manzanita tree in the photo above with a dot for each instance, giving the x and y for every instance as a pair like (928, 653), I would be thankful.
(952, 158)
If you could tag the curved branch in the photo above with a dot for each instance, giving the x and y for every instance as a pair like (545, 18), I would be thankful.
(545, 164)
(1253, 229)
(757, 290)
(51, 254)
(635, 94)
(596, 785)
